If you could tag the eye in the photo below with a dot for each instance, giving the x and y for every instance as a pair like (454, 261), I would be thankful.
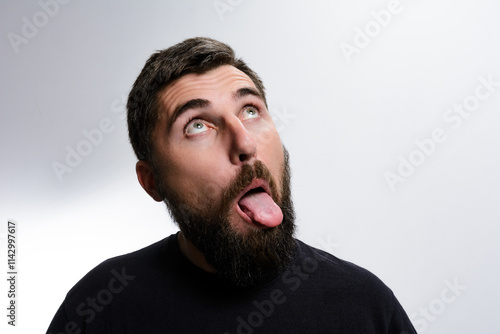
(250, 112)
(196, 126)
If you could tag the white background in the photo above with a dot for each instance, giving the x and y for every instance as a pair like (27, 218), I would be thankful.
(347, 121)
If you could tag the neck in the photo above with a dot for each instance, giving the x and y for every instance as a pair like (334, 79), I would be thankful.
(193, 254)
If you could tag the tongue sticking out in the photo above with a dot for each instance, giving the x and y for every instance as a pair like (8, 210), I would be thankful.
(260, 207)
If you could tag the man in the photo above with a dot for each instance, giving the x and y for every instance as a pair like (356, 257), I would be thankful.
(207, 147)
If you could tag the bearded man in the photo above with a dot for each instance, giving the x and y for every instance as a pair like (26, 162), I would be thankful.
(207, 147)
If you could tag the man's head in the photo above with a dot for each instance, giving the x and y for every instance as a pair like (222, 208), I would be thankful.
(208, 148)
(195, 55)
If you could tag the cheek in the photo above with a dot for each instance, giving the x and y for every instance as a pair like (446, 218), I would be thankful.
(271, 152)
(197, 181)
(268, 137)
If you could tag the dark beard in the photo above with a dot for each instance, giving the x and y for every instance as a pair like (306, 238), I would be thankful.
(243, 259)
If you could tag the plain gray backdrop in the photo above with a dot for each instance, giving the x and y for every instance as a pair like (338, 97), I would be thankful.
(390, 110)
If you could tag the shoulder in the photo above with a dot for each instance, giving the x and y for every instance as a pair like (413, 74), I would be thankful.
(330, 262)
(122, 269)
(358, 299)
(339, 274)
(118, 280)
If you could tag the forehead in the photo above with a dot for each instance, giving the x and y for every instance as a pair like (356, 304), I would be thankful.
(215, 83)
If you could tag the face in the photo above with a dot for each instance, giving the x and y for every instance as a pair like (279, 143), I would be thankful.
(220, 167)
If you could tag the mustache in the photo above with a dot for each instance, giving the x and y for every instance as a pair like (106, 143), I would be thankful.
(202, 201)
(247, 174)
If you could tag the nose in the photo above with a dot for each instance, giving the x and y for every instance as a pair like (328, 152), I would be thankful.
(243, 146)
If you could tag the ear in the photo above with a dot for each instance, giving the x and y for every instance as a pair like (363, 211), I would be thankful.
(146, 178)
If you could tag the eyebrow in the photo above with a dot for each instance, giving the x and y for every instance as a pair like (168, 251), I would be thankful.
(191, 104)
(202, 103)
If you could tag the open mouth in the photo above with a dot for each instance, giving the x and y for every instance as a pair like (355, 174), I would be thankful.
(256, 206)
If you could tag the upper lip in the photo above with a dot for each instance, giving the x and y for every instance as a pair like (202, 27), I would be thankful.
(256, 183)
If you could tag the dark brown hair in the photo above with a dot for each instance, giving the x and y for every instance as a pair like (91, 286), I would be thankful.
(194, 55)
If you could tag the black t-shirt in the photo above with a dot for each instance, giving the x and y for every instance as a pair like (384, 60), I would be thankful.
(157, 290)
